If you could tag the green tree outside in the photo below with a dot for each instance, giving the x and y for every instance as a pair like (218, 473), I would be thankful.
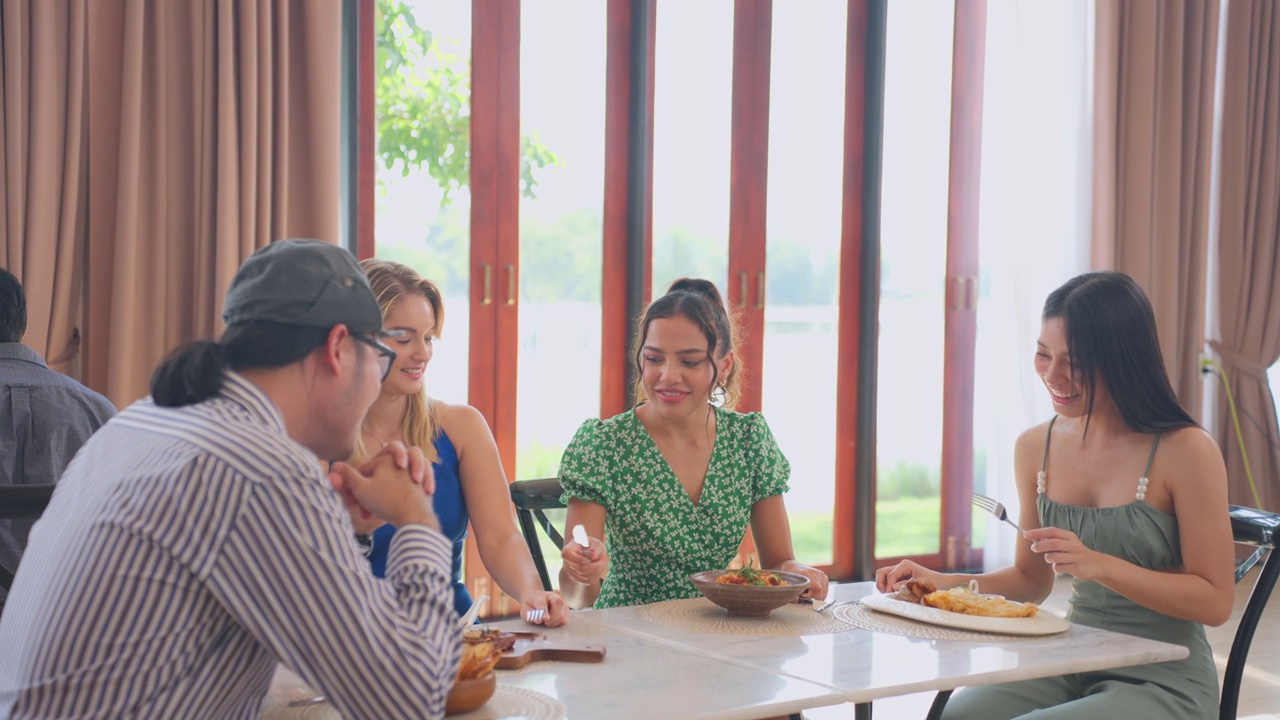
(423, 107)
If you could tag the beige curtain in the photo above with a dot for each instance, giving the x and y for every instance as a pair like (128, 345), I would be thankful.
(42, 166)
(1249, 247)
(1153, 115)
(213, 130)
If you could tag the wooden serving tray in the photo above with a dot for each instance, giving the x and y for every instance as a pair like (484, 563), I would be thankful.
(533, 646)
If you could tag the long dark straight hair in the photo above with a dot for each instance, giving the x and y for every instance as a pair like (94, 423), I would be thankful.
(1111, 334)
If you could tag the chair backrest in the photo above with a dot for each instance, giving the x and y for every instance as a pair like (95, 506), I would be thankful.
(1257, 528)
(21, 502)
(532, 498)
(1249, 526)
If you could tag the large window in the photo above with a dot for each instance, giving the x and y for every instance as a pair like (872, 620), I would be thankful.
(514, 239)
(913, 289)
(423, 205)
(562, 104)
(513, 128)
(1034, 226)
(802, 293)
(693, 84)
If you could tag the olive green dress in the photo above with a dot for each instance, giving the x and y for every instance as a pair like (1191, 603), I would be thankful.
(1181, 690)
(655, 534)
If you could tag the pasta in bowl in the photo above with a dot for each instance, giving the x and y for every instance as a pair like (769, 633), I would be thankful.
(748, 591)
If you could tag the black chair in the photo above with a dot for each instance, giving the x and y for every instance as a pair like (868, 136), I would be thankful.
(21, 502)
(1256, 528)
(1250, 527)
(532, 498)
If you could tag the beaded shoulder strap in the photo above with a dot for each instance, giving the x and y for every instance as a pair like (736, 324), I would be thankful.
(1044, 465)
(1144, 480)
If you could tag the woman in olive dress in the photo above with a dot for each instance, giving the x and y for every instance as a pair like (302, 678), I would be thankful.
(1124, 492)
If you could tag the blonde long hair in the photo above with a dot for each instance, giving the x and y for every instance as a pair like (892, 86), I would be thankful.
(390, 282)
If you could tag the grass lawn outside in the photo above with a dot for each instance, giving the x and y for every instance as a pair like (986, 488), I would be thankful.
(905, 526)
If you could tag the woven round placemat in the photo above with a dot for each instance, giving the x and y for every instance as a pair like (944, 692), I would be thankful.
(516, 702)
(861, 616)
(702, 615)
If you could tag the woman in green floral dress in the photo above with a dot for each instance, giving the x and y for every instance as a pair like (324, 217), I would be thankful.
(676, 480)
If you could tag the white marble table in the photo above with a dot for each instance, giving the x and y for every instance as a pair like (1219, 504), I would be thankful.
(866, 665)
(658, 671)
(639, 679)
(643, 678)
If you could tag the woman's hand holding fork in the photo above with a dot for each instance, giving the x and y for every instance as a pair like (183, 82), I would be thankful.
(544, 608)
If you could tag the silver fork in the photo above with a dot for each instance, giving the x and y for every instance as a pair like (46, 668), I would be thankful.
(535, 616)
(996, 508)
(833, 603)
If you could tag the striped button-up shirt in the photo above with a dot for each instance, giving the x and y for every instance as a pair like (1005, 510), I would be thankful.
(186, 550)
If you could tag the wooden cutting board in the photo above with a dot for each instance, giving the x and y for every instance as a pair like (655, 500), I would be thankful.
(534, 646)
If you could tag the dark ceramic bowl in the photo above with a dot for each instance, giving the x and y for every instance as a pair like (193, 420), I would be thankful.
(749, 600)
(467, 695)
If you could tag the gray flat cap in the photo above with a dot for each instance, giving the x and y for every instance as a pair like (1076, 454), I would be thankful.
(304, 283)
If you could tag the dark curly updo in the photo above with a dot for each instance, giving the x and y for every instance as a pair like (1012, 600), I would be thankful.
(700, 302)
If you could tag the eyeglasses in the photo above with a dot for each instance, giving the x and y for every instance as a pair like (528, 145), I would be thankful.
(386, 356)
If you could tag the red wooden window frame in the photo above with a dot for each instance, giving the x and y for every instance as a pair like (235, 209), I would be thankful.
(960, 305)
(852, 295)
(366, 127)
(495, 240)
(963, 199)
(617, 325)
(748, 184)
(495, 235)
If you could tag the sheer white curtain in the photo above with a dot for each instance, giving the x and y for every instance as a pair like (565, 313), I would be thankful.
(1034, 226)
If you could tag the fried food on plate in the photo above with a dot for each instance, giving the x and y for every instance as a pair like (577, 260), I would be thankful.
(913, 590)
(503, 640)
(478, 658)
(966, 602)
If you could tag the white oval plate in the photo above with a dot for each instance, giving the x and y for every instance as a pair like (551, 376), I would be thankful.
(1042, 623)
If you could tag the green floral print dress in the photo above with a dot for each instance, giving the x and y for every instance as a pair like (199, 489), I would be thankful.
(655, 534)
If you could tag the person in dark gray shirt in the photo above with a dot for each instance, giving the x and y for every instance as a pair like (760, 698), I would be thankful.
(45, 417)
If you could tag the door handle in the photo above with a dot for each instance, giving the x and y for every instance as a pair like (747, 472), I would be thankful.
(965, 295)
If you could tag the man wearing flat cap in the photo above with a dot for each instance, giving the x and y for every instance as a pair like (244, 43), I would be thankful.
(194, 542)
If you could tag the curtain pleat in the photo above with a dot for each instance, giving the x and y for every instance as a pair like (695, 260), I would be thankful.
(214, 130)
(42, 167)
(1249, 250)
(1153, 119)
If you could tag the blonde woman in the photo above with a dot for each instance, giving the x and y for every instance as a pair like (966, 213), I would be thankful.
(470, 483)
